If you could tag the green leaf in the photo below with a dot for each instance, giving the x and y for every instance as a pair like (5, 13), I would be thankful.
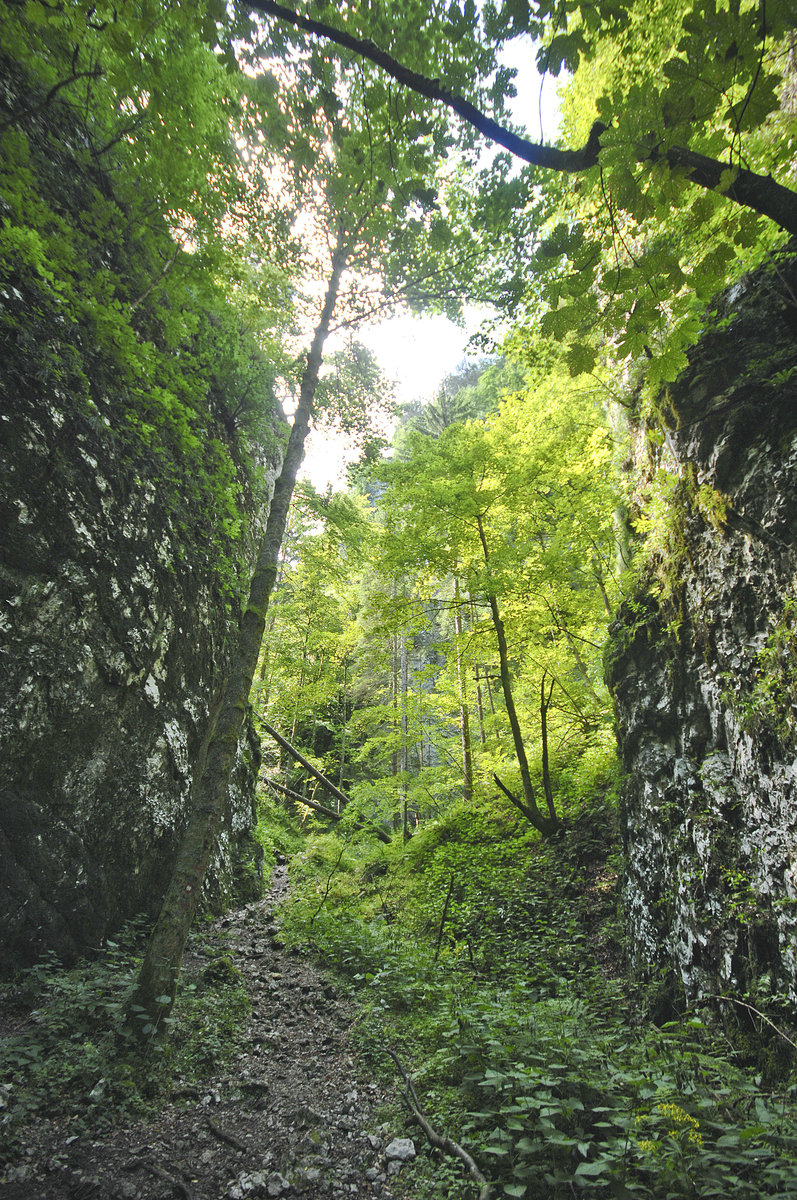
(590, 1169)
(581, 358)
(527, 1146)
(728, 179)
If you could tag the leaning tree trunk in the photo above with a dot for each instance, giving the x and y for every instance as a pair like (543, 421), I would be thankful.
(157, 981)
(545, 703)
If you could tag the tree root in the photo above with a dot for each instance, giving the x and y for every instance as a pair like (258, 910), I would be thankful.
(442, 1143)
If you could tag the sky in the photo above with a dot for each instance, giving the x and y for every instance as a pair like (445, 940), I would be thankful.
(416, 353)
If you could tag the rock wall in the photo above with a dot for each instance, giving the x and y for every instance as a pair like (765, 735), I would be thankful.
(114, 642)
(703, 669)
(138, 440)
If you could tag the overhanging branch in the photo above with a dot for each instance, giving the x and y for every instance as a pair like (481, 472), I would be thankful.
(550, 157)
(758, 192)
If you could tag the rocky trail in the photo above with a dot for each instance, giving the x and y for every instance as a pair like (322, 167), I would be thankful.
(290, 1115)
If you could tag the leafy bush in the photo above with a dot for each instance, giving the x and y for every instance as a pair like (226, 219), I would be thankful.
(560, 1098)
(497, 977)
(276, 831)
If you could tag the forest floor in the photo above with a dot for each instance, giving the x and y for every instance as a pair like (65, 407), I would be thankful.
(290, 1114)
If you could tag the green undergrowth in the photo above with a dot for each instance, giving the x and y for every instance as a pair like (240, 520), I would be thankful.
(71, 1057)
(492, 964)
(276, 832)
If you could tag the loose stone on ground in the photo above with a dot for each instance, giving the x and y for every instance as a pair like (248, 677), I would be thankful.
(289, 1117)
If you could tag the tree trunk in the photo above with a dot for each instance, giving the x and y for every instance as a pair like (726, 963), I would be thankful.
(546, 769)
(546, 825)
(488, 679)
(480, 708)
(464, 716)
(157, 981)
(479, 702)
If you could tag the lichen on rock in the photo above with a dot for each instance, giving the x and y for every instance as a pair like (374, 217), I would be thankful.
(702, 670)
(130, 507)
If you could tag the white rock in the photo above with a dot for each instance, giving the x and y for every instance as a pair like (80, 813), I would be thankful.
(400, 1150)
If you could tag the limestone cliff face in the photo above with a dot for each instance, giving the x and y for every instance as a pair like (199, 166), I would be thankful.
(703, 669)
(138, 438)
(115, 628)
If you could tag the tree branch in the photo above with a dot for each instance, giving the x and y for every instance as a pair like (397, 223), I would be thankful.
(300, 799)
(527, 813)
(167, 266)
(322, 779)
(308, 766)
(442, 1143)
(35, 109)
(327, 812)
(538, 155)
(759, 192)
(756, 1011)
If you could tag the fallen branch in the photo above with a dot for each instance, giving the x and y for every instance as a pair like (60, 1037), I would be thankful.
(442, 1143)
(143, 1164)
(308, 766)
(758, 1013)
(300, 799)
(327, 812)
(225, 1137)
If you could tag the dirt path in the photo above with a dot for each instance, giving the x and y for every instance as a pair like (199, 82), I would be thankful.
(290, 1116)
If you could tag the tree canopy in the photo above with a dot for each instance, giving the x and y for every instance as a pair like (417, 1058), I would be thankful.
(685, 169)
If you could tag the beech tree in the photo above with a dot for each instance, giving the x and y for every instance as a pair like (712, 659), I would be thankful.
(517, 509)
(743, 35)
